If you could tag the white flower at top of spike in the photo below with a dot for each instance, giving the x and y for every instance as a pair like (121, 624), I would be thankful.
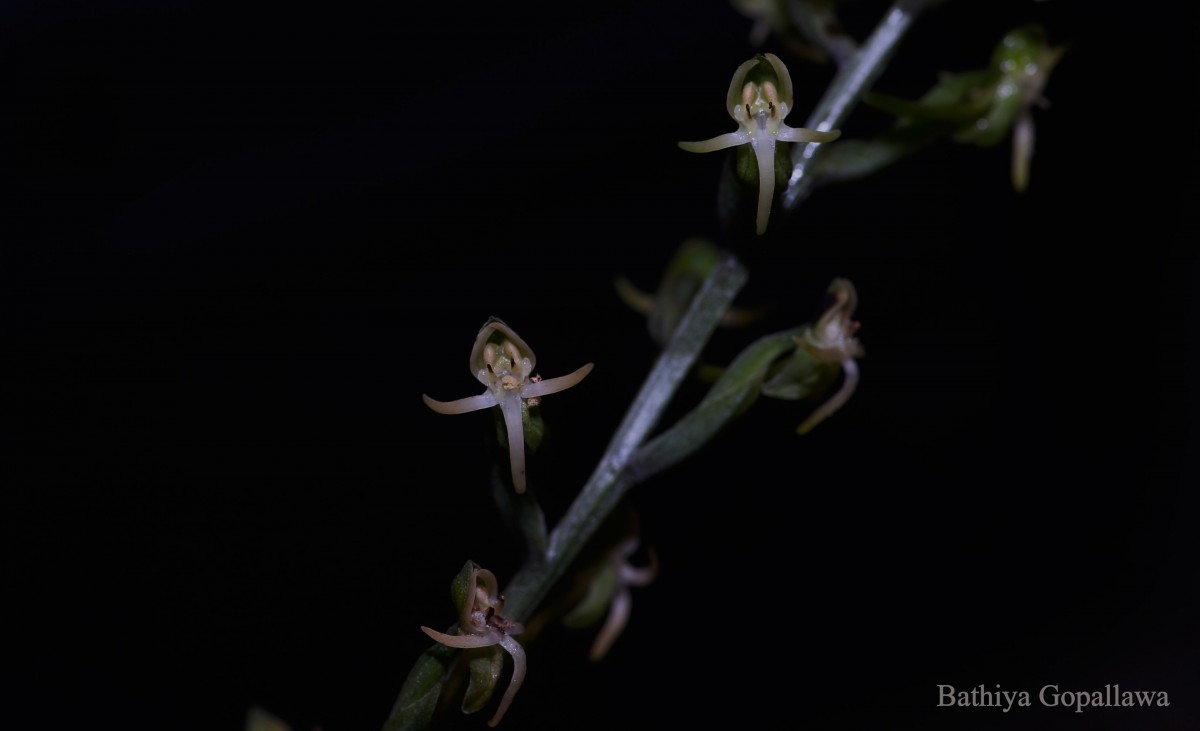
(760, 97)
(504, 363)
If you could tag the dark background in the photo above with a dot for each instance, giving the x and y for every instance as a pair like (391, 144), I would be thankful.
(240, 240)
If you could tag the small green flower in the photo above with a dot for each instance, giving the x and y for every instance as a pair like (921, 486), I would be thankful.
(608, 592)
(504, 363)
(831, 340)
(1024, 62)
(981, 107)
(680, 282)
(759, 98)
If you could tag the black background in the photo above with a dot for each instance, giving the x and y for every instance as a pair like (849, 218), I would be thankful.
(240, 240)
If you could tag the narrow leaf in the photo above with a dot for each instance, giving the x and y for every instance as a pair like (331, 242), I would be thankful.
(418, 697)
(730, 395)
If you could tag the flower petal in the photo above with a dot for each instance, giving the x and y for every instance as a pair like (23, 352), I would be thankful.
(510, 406)
(614, 624)
(803, 134)
(466, 641)
(764, 153)
(835, 402)
(721, 142)
(518, 655)
(484, 400)
(554, 385)
(1022, 152)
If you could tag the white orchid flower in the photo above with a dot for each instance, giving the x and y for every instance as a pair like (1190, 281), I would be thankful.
(504, 363)
(759, 98)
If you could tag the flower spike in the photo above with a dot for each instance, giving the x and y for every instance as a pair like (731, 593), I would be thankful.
(503, 363)
(759, 98)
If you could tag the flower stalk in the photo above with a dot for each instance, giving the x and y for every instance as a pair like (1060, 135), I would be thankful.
(611, 479)
(846, 90)
(635, 453)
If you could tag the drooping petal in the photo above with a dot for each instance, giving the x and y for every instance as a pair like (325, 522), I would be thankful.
(554, 385)
(720, 142)
(510, 406)
(764, 153)
(466, 641)
(1022, 152)
(484, 400)
(518, 655)
(614, 624)
(835, 402)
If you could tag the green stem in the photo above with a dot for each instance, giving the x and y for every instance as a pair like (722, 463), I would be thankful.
(845, 91)
(610, 480)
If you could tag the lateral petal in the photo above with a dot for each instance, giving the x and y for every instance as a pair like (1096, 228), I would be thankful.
(484, 400)
(518, 655)
(803, 134)
(721, 142)
(465, 641)
(554, 385)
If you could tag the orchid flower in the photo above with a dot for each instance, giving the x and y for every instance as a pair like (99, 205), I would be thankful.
(504, 363)
(610, 588)
(831, 340)
(980, 107)
(685, 273)
(482, 625)
(759, 98)
(1025, 63)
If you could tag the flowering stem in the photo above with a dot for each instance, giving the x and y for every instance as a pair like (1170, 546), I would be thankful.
(625, 462)
(610, 480)
(845, 91)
